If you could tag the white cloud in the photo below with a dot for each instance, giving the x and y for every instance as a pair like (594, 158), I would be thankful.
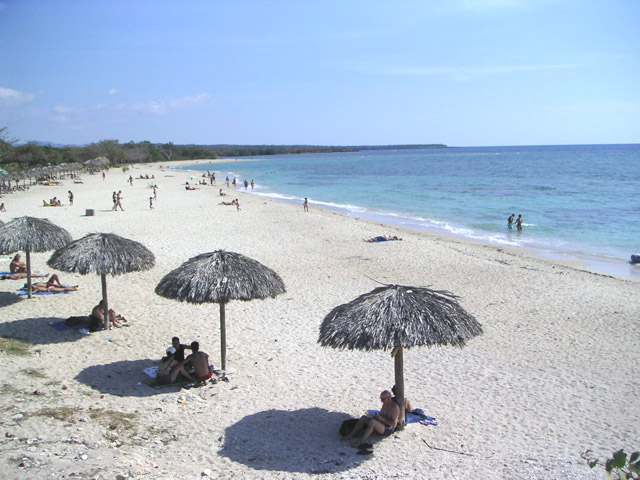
(62, 109)
(12, 98)
(113, 91)
(153, 107)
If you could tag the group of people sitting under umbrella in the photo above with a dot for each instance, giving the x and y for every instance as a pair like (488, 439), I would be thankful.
(173, 366)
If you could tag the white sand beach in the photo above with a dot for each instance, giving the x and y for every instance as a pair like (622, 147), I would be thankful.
(554, 374)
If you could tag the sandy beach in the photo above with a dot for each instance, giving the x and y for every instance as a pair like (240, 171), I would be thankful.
(553, 375)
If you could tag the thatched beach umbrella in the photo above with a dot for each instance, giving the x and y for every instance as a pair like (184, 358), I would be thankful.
(104, 254)
(393, 317)
(98, 162)
(32, 235)
(218, 277)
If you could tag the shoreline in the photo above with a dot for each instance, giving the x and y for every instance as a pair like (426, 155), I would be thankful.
(525, 399)
(591, 261)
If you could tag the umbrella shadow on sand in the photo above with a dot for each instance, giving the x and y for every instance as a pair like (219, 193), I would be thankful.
(38, 331)
(301, 441)
(124, 378)
(8, 298)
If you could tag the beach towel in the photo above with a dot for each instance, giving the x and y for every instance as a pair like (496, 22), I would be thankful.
(416, 415)
(24, 293)
(62, 325)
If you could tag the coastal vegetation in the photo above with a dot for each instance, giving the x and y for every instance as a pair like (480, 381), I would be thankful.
(15, 156)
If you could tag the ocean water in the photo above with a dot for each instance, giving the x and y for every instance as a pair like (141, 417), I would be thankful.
(578, 202)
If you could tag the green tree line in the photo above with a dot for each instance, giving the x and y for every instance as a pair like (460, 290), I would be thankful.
(17, 157)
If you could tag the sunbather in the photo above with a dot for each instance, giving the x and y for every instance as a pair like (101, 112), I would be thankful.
(382, 238)
(52, 285)
(169, 369)
(407, 403)
(98, 315)
(21, 276)
(384, 423)
(200, 362)
(17, 266)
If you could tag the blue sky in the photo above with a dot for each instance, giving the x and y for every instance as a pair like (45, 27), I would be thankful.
(459, 72)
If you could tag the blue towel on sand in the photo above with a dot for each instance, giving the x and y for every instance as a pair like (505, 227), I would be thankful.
(416, 415)
(62, 325)
(24, 293)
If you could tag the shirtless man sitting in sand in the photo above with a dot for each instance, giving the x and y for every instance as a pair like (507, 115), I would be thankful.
(17, 266)
(200, 362)
(384, 423)
(98, 313)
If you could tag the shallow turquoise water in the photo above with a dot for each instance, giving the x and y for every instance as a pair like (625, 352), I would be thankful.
(578, 200)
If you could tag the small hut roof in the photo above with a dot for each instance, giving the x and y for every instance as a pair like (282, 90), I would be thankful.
(220, 276)
(97, 162)
(32, 234)
(398, 316)
(102, 253)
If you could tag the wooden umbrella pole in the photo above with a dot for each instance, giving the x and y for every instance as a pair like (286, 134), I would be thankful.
(399, 367)
(223, 339)
(28, 272)
(105, 303)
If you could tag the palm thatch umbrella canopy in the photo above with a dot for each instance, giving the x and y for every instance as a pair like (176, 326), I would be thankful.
(32, 235)
(393, 317)
(218, 277)
(104, 254)
(97, 162)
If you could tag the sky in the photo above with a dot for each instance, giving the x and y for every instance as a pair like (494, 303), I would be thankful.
(349, 72)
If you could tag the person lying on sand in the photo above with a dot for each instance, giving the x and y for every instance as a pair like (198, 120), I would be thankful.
(97, 315)
(200, 362)
(21, 276)
(382, 238)
(17, 266)
(383, 423)
(169, 369)
(52, 285)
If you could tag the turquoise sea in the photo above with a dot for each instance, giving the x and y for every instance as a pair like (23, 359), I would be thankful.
(578, 202)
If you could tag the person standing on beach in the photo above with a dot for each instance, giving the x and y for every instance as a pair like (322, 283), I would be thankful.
(306, 204)
(131, 180)
(70, 197)
(510, 221)
(118, 198)
(150, 203)
(519, 223)
(246, 184)
(155, 192)
(114, 197)
(227, 180)
(253, 184)
(104, 175)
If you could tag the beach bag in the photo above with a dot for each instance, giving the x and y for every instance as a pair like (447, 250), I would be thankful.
(74, 321)
(347, 426)
(95, 324)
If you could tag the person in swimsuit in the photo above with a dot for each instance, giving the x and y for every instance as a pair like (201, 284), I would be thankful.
(97, 316)
(383, 423)
(519, 223)
(21, 276)
(51, 285)
(510, 221)
(200, 362)
(169, 369)
(17, 266)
